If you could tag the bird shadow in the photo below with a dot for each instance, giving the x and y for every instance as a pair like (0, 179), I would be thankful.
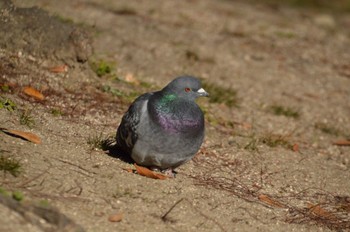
(113, 150)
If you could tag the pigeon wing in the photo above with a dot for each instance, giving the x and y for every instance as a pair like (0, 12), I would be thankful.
(127, 130)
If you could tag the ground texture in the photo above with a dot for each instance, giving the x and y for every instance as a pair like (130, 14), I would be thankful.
(279, 79)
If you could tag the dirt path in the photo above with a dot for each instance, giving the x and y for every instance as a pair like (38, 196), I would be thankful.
(268, 162)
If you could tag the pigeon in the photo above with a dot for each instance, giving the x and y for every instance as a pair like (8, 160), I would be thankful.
(164, 129)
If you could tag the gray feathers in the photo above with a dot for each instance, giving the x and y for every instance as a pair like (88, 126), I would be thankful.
(127, 134)
(164, 129)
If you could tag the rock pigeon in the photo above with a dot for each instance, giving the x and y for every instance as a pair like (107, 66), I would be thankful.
(164, 129)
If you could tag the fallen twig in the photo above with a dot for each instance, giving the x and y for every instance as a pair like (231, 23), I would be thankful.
(197, 210)
(171, 208)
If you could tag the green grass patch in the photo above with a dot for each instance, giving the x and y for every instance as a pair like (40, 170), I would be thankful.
(102, 68)
(216, 121)
(218, 94)
(113, 91)
(146, 85)
(10, 165)
(64, 19)
(272, 140)
(56, 112)
(5, 88)
(17, 195)
(25, 118)
(100, 142)
(7, 104)
(252, 145)
(285, 111)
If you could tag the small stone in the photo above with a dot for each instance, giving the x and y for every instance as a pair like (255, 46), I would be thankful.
(116, 217)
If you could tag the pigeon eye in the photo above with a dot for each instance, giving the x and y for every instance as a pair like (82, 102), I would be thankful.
(187, 89)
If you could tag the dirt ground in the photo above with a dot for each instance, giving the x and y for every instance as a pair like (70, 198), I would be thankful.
(268, 162)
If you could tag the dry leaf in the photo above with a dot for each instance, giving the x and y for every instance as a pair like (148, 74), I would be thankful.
(149, 173)
(59, 69)
(33, 93)
(342, 143)
(131, 79)
(24, 135)
(295, 147)
(268, 200)
(115, 217)
(319, 211)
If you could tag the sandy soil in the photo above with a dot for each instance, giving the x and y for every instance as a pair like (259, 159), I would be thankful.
(256, 171)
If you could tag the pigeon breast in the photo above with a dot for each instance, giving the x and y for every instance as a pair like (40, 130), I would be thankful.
(175, 115)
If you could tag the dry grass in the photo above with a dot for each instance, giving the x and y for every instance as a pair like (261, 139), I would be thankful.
(310, 206)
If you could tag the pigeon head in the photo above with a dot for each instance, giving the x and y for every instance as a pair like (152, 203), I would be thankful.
(186, 87)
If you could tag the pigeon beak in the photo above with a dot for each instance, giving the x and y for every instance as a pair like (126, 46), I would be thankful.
(201, 92)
